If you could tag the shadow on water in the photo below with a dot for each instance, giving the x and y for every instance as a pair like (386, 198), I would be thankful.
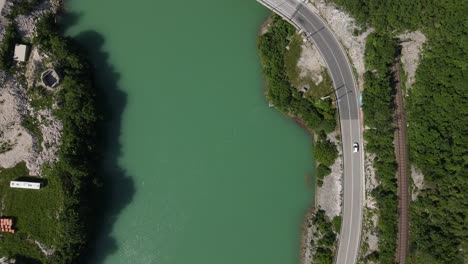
(118, 187)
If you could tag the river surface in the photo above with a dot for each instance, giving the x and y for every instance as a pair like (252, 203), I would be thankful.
(217, 176)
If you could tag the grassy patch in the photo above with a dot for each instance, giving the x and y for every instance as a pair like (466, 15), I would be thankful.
(324, 88)
(40, 98)
(291, 57)
(32, 125)
(36, 213)
(336, 223)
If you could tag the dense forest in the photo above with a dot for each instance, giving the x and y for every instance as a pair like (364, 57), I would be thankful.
(378, 113)
(72, 179)
(438, 119)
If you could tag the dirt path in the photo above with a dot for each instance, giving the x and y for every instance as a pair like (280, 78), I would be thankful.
(401, 151)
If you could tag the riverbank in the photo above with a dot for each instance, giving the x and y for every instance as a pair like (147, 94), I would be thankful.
(52, 136)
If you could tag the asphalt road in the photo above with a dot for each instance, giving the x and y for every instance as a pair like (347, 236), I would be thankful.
(347, 93)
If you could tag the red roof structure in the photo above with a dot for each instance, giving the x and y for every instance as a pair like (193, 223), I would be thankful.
(6, 225)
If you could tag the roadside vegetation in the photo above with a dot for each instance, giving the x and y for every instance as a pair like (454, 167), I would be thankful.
(326, 232)
(316, 114)
(280, 49)
(378, 112)
(58, 214)
(437, 116)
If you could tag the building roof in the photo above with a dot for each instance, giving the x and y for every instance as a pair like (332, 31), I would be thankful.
(20, 52)
(25, 185)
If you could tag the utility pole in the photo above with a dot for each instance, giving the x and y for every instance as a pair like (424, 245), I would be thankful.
(328, 95)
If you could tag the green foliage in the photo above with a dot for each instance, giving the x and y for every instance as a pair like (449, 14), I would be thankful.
(378, 112)
(327, 243)
(32, 125)
(35, 212)
(23, 7)
(291, 57)
(336, 223)
(280, 91)
(40, 98)
(325, 152)
(7, 47)
(437, 119)
(321, 172)
(380, 52)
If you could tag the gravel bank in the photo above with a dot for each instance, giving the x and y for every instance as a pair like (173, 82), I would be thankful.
(411, 48)
(329, 195)
(344, 28)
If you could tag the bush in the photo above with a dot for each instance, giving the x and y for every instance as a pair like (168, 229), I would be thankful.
(322, 171)
(7, 47)
(325, 152)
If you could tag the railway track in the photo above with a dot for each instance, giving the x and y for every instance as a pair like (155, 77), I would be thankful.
(401, 152)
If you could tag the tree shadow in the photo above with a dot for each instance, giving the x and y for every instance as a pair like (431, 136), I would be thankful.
(118, 187)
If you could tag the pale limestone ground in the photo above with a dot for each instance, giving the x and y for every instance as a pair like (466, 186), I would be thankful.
(26, 24)
(343, 26)
(51, 130)
(370, 218)
(311, 63)
(418, 182)
(411, 48)
(308, 238)
(46, 251)
(2, 3)
(329, 195)
(12, 109)
(328, 199)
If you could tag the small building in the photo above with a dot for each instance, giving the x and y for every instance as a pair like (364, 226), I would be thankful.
(50, 78)
(25, 185)
(21, 51)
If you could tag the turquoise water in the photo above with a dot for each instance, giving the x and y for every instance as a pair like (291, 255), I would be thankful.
(216, 175)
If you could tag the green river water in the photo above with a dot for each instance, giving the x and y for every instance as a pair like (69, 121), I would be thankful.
(200, 169)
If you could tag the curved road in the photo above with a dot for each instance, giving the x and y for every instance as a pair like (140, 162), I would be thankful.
(303, 18)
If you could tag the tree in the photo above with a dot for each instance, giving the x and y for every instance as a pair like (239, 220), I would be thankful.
(325, 152)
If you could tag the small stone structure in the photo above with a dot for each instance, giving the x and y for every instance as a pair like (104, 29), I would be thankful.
(21, 52)
(50, 78)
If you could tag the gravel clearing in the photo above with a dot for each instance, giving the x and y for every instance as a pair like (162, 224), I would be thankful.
(329, 195)
(311, 63)
(343, 26)
(411, 47)
(370, 217)
(418, 182)
(51, 130)
(26, 24)
(12, 109)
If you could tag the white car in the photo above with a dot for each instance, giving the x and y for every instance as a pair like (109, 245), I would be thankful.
(355, 147)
